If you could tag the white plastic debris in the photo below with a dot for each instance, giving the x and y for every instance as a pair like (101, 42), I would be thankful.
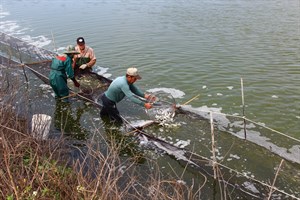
(40, 125)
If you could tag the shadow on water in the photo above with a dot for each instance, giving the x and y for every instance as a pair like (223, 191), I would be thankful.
(128, 146)
(67, 120)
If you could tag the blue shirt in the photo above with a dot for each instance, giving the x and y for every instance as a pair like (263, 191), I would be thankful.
(120, 88)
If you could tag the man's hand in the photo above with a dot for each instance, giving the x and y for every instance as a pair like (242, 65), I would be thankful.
(83, 66)
(76, 84)
(150, 98)
(148, 105)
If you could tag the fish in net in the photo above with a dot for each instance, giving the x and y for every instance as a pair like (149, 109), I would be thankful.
(92, 85)
(163, 110)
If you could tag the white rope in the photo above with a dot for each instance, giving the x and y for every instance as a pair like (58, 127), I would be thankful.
(259, 124)
(246, 176)
(239, 173)
(219, 164)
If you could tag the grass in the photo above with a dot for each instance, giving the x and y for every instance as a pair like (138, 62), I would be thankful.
(44, 169)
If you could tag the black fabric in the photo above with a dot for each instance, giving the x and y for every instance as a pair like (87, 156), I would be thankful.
(80, 40)
(110, 110)
(79, 72)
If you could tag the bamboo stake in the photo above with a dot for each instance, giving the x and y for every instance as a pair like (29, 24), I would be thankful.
(53, 42)
(9, 59)
(243, 103)
(277, 172)
(71, 95)
(273, 188)
(246, 176)
(22, 65)
(191, 99)
(33, 63)
(213, 146)
(26, 78)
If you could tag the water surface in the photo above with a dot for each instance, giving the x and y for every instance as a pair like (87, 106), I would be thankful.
(190, 47)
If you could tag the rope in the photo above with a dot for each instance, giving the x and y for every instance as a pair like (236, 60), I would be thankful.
(79, 95)
(33, 63)
(87, 99)
(211, 161)
(233, 170)
(240, 117)
(246, 176)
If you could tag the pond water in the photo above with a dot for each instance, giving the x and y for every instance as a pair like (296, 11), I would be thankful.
(185, 48)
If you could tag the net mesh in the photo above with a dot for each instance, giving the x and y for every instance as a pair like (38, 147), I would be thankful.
(164, 107)
(15, 52)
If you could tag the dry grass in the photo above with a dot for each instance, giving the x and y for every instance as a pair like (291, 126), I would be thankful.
(33, 169)
(44, 169)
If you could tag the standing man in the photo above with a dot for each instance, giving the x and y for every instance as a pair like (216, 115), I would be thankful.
(61, 70)
(118, 89)
(85, 60)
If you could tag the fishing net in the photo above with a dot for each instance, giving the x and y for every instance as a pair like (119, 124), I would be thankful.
(91, 85)
(164, 107)
(15, 52)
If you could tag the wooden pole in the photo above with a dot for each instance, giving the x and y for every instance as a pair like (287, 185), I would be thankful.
(71, 95)
(277, 172)
(22, 65)
(213, 146)
(243, 103)
(53, 42)
(33, 63)
(191, 99)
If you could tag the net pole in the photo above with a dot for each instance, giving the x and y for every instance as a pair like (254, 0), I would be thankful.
(273, 184)
(213, 146)
(55, 49)
(243, 103)
(22, 64)
(192, 99)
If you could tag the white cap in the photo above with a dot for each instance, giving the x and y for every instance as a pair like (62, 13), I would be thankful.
(132, 71)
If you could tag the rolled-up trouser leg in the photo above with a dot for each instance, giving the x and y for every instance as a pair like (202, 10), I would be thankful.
(110, 109)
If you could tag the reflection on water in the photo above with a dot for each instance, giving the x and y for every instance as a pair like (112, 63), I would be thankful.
(126, 145)
(67, 120)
